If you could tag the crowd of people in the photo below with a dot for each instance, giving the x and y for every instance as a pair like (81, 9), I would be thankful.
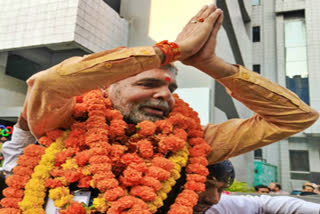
(110, 141)
(308, 188)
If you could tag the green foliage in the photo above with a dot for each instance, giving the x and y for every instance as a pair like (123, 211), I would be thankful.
(238, 186)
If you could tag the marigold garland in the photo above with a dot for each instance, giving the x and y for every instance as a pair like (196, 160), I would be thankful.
(132, 167)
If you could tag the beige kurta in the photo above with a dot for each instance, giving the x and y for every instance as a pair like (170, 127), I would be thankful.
(279, 112)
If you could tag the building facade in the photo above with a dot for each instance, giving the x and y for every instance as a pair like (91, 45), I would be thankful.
(285, 35)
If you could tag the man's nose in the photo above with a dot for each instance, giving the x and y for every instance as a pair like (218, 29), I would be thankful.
(163, 93)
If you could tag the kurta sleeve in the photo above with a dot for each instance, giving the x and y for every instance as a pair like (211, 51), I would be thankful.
(279, 114)
(50, 96)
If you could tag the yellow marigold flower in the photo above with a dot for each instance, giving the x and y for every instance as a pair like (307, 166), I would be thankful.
(177, 167)
(35, 185)
(162, 195)
(85, 170)
(35, 210)
(166, 187)
(30, 202)
(58, 192)
(175, 174)
(100, 204)
(63, 201)
(152, 208)
(35, 193)
(158, 202)
(63, 180)
(70, 164)
(171, 181)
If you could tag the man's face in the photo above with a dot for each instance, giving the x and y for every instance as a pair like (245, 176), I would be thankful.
(307, 188)
(263, 190)
(210, 196)
(272, 187)
(146, 96)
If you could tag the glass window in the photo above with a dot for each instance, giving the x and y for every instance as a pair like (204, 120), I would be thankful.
(256, 68)
(256, 34)
(258, 154)
(255, 2)
(296, 65)
(299, 160)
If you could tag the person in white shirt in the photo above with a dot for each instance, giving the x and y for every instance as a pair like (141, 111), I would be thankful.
(213, 201)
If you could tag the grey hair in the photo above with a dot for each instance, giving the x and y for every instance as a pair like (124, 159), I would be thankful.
(171, 67)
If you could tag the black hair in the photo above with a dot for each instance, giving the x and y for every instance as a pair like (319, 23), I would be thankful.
(278, 185)
(260, 186)
(222, 171)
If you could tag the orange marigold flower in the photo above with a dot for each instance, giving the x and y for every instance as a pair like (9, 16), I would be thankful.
(9, 211)
(180, 133)
(164, 126)
(201, 160)
(95, 121)
(145, 148)
(113, 194)
(126, 203)
(113, 115)
(99, 151)
(195, 133)
(44, 140)
(102, 175)
(94, 96)
(10, 202)
(99, 159)
(180, 121)
(75, 208)
(190, 196)
(97, 107)
(132, 175)
(198, 169)
(106, 184)
(53, 183)
(171, 143)
(82, 158)
(62, 156)
(195, 186)
(100, 167)
(180, 209)
(200, 150)
(158, 173)
(79, 99)
(107, 102)
(144, 192)
(116, 152)
(196, 178)
(57, 172)
(28, 161)
(22, 170)
(79, 126)
(11, 192)
(73, 175)
(54, 134)
(196, 141)
(34, 150)
(146, 128)
(129, 158)
(163, 163)
(141, 167)
(84, 182)
(151, 182)
(117, 128)
(97, 134)
(75, 138)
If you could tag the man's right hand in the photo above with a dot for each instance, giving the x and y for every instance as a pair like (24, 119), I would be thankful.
(196, 33)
